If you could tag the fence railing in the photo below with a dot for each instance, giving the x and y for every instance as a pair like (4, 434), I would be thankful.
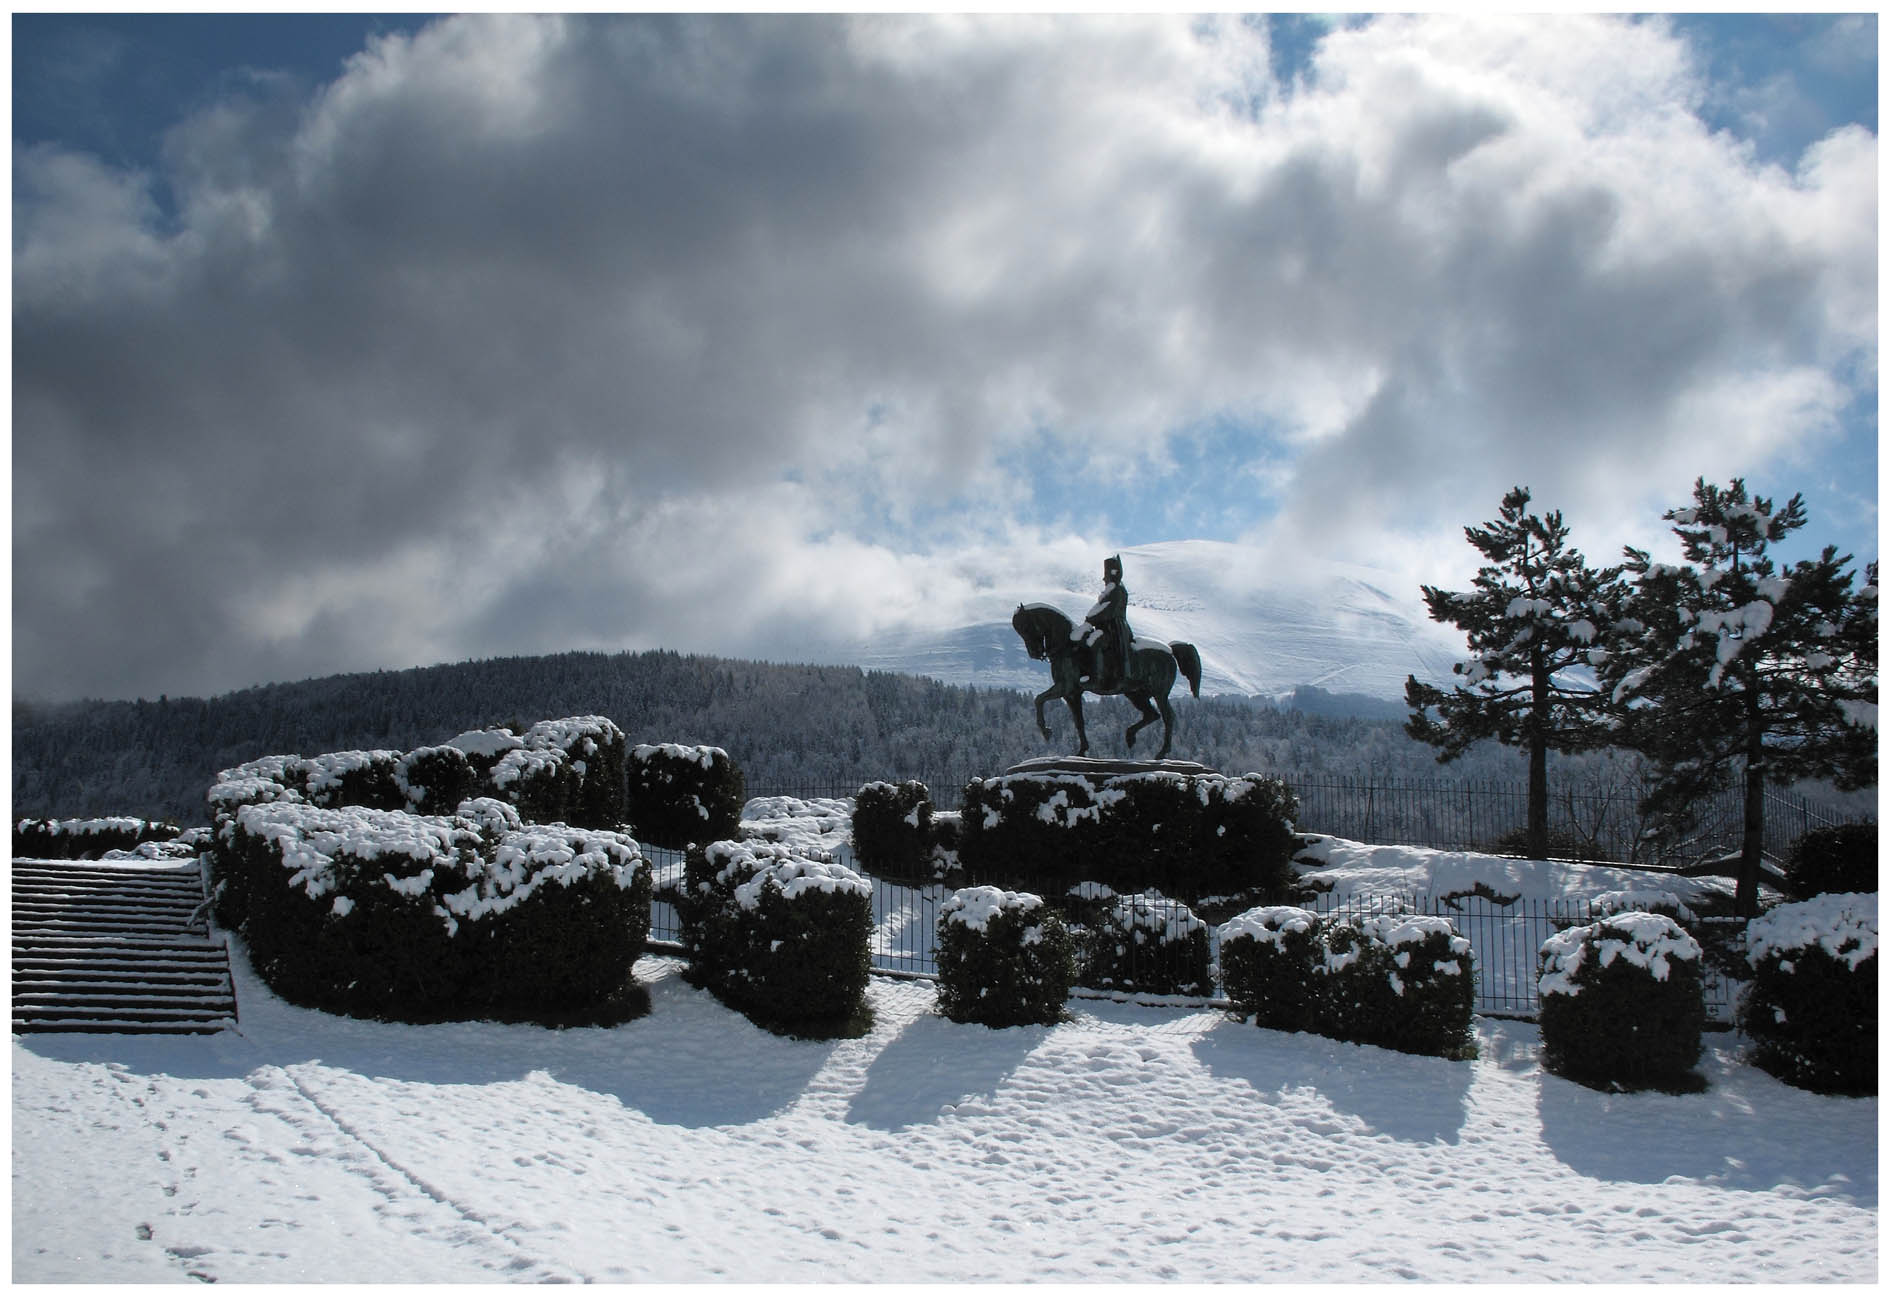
(1503, 937)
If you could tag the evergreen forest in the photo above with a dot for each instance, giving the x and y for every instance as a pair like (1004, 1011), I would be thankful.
(807, 730)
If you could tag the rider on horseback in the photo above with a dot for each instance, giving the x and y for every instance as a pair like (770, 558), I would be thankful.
(1107, 629)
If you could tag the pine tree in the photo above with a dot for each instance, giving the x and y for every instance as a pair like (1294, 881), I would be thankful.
(1534, 622)
(1728, 668)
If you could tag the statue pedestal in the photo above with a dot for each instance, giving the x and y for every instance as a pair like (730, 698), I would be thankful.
(1097, 769)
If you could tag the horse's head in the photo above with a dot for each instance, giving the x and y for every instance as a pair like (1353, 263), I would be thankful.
(1029, 631)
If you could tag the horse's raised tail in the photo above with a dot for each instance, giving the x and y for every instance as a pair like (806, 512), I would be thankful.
(1190, 664)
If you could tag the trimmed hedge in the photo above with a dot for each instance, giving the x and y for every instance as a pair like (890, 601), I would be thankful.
(434, 781)
(353, 778)
(1272, 966)
(1402, 981)
(1842, 858)
(596, 757)
(779, 935)
(682, 795)
(892, 831)
(1148, 943)
(1188, 835)
(1811, 1009)
(1005, 959)
(1043, 826)
(541, 782)
(86, 839)
(568, 771)
(1621, 1003)
(393, 915)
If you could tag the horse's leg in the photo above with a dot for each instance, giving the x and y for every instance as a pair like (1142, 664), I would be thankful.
(1075, 699)
(1140, 698)
(1053, 691)
(1168, 725)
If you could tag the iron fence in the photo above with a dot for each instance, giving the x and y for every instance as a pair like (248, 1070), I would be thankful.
(1504, 937)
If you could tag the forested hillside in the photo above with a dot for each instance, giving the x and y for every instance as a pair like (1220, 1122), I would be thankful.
(788, 727)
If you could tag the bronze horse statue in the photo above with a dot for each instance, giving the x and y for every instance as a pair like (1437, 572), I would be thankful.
(1147, 676)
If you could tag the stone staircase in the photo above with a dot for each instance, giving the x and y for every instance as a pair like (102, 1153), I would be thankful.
(116, 946)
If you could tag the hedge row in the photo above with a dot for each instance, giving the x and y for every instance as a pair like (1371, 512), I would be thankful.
(1188, 834)
(86, 839)
(1405, 982)
(563, 771)
(391, 914)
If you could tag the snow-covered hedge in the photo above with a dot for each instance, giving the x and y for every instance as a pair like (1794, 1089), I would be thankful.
(391, 914)
(1403, 981)
(1004, 958)
(86, 839)
(354, 778)
(1149, 943)
(820, 825)
(681, 795)
(892, 831)
(1184, 833)
(191, 844)
(562, 771)
(1621, 1002)
(1811, 1009)
(542, 782)
(434, 781)
(1272, 964)
(1841, 858)
(596, 757)
(781, 935)
(1046, 825)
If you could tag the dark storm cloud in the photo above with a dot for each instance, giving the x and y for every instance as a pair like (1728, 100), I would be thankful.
(539, 333)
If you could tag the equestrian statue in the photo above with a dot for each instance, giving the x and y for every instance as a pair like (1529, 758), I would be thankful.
(1102, 657)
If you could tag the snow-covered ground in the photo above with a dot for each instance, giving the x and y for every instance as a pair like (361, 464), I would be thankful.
(1133, 1143)
(1361, 869)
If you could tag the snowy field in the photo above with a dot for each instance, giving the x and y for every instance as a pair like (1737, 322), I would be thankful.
(1134, 1143)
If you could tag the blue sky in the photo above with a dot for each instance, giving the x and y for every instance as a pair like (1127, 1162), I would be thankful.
(869, 300)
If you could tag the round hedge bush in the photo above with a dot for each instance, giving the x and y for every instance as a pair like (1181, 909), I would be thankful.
(1811, 1009)
(1401, 981)
(1005, 959)
(1842, 858)
(1271, 961)
(780, 935)
(1621, 1003)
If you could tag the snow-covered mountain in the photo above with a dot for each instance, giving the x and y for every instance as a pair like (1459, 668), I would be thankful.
(1343, 628)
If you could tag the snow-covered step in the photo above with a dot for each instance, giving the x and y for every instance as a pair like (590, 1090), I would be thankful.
(100, 946)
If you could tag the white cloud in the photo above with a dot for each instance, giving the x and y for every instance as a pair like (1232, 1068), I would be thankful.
(787, 296)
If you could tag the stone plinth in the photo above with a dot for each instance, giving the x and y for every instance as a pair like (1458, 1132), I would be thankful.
(1097, 769)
